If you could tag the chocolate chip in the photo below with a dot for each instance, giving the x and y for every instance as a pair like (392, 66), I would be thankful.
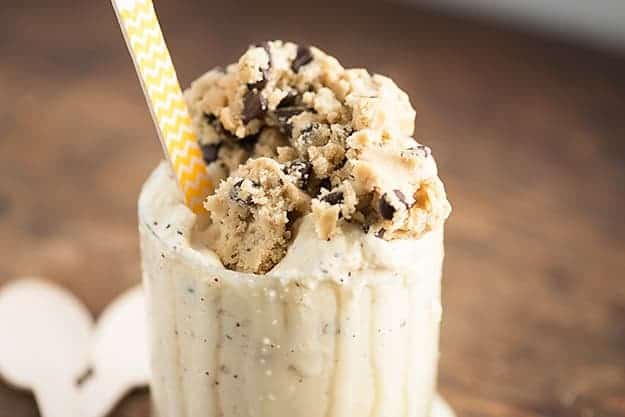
(234, 195)
(260, 84)
(221, 131)
(401, 197)
(325, 183)
(248, 142)
(307, 134)
(386, 209)
(304, 56)
(300, 170)
(291, 217)
(285, 113)
(210, 152)
(289, 100)
(335, 197)
(287, 129)
(341, 164)
(254, 106)
(308, 129)
(210, 118)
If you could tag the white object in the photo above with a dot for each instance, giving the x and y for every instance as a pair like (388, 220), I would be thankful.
(347, 327)
(119, 357)
(44, 338)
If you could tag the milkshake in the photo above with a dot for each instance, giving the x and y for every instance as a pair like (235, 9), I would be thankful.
(311, 287)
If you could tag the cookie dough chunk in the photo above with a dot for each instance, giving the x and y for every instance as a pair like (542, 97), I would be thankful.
(289, 132)
(274, 82)
(255, 211)
(388, 185)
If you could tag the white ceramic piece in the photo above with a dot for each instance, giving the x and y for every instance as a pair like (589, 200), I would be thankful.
(44, 338)
(119, 356)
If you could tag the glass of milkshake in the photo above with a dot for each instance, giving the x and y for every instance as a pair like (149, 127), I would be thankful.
(311, 286)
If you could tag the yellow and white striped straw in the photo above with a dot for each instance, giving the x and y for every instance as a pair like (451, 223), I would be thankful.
(155, 69)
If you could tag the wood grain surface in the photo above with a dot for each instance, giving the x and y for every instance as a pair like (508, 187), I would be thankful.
(529, 134)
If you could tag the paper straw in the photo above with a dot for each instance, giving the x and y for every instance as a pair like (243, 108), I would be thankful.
(156, 72)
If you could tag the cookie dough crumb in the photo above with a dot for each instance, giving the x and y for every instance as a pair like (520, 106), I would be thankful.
(326, 219)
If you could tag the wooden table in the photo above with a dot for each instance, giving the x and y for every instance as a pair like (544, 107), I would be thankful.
(529, 135)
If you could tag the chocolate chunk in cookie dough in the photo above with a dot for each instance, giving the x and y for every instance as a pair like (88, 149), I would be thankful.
(303, 57)
(386, 209)
(209, 152)
(254, 107)
(260, 84)
(300, 170)
(248, 143)
(333, 198)
(243, 199)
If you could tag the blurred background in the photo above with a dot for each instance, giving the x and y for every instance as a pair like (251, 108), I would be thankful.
(597, 23)
(522, 102)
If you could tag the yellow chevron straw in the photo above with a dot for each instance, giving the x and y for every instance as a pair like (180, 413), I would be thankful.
(147, 47)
